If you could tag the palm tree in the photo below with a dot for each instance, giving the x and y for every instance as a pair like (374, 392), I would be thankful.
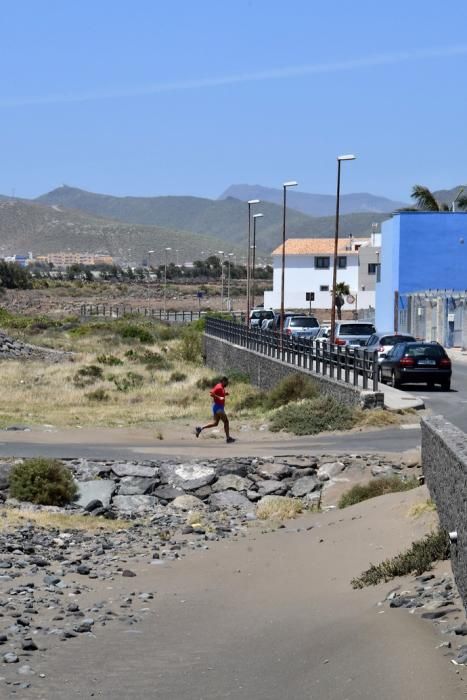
(426, 201)
(342, 289)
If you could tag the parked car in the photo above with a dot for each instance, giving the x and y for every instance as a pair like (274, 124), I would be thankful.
(416, 362)
(301, 326)
(383, 342)
(274, 324)
(257, 316)
(353, 333)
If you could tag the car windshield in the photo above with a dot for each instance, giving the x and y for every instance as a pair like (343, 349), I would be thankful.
(431, 351)
(262, 314)
(394, 339)
(304, 322)
(356, 329)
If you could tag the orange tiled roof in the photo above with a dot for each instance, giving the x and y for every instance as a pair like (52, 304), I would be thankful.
(315, 246)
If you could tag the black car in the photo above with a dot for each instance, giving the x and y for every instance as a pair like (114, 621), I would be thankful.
(408, 363)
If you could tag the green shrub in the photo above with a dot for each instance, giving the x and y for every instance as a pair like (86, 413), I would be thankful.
(208, 382)
(152, 360)
(88, 375)
(251, 400)
(98, 395)
(177, 377)
(419, 558)
(376, 487)
(238, 377)
(313, 416)
(191, 345)
(109, 360)
(133, 331)
(292, 388)
(132, 380)
(44, 481)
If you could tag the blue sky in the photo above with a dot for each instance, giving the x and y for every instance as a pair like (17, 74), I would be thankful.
(187, 97)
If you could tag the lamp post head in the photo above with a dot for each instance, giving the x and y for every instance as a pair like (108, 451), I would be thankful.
(149, 251)
(168, 248)
(349, 156)
(253, 201)
(290, 183)
(257, 216)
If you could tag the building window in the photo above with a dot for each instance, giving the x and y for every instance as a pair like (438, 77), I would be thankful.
(378, 272)
(372, 268)
(322, 263)
(324, 288)
(342, 262)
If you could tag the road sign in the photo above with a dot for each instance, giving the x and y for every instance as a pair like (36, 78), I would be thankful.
(350, 299)
(309, 296)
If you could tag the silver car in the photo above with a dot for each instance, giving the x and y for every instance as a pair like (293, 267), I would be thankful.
(382, 343)
(353, 333)
(301, 326)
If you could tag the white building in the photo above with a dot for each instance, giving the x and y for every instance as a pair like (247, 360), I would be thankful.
(309, 268)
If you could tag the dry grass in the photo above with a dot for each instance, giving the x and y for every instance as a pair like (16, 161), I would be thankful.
(419, 509)
(378, 418)
(36, 393)
(278, 508)
(11, 517)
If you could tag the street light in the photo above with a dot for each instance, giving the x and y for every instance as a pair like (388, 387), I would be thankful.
(336, 242)
(255, 216)
(230, 255)
(290, 183)
(149, 253)
(221, 252)
(248, 264)
(165, 282)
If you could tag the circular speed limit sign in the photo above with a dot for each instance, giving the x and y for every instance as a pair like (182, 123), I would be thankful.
(350, 299)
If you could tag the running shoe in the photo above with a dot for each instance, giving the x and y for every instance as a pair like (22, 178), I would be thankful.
(198, 431)
(230, 439)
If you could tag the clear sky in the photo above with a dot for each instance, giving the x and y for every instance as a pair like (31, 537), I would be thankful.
(155, 97)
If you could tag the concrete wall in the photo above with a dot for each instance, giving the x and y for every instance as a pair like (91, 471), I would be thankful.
(444, 459)
(265, 372)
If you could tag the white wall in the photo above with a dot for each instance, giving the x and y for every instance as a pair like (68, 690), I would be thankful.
(301, 277)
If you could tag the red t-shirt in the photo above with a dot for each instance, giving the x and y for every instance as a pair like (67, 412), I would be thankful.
(218, 394)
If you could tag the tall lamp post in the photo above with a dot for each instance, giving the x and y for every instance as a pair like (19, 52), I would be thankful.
(229, 260)
(285, 185)
(248, 262)
(150, 252)
(165, 281)
(336, 243)
(253, 265)
(221, 253)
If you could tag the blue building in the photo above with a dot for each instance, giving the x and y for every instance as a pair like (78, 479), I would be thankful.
(419, 251)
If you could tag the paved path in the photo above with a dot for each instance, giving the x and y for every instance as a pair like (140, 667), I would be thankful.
(268, 617)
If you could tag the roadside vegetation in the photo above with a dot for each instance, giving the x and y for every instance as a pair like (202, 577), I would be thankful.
(43, 481)
(419, 558)
(376, 487)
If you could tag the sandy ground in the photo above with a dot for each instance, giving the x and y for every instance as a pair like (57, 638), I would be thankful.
(268, 617)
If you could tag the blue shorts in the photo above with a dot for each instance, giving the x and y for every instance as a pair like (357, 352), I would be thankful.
(216, 408)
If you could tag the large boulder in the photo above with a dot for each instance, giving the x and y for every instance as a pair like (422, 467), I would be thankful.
(230, 499)
(136, 485)
(305, 485)
(329, 470)
(272, 486)
(411, 458)
(190, 477)
(168, 493)
(231, 482)
(5, 469)
(187, 502)
(274, 471)
(134, 505)
(99, 490)
(127, 469)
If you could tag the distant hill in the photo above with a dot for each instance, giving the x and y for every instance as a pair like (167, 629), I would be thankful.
(28, 226)
(316, 204)
(224, 219)
(448, 196)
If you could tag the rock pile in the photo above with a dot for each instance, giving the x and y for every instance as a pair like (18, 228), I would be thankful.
(11, 349)
(130, 489)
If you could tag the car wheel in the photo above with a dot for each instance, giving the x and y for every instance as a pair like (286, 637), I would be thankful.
(430, 385)
(446, 385)
(395, 383)
(381, 379)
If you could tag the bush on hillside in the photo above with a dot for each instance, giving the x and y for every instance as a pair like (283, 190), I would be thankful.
(313, 416)
(87, 375)
(419, 558)
(109, 360)
(134, 331)
(376, 487)
(43, 481)
(132, 380)
(294, 387)
(191, 346)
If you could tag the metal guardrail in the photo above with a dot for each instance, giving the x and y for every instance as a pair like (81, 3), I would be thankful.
(111, 311)
(334, 361)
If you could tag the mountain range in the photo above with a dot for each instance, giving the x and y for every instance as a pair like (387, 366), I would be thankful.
(316, 204)
(72, 218)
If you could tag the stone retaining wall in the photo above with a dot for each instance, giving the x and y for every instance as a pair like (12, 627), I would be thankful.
(11, 349)
(444, 460)
(265, 372)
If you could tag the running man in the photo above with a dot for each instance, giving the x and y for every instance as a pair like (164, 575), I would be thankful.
(218, 394)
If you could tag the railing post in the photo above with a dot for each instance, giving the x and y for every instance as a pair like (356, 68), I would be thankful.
(346, 365)
(332, 347)
(339, 367)
(375, 371)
